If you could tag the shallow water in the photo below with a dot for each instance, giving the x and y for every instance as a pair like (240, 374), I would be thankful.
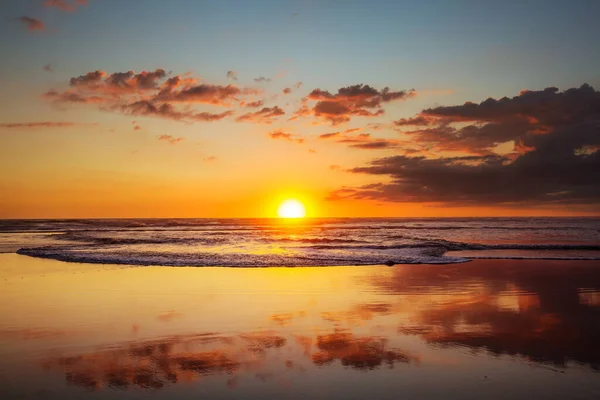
(513, 329)
(308, 242)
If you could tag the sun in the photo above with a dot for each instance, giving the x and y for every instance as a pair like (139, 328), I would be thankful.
(291, 208)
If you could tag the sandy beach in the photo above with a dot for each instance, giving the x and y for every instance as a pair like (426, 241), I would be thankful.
(487, 328)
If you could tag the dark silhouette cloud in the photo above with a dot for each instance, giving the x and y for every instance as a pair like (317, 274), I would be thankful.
(32, 24)
(555, 135)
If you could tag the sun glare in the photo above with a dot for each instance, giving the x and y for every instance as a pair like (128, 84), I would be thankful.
(291, 208)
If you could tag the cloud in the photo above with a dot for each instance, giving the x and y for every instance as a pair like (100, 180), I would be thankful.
(232, 75)
(48, 68)
(286, 136)
(262, 79)
(65, 5)
(170, 139)
(357, 100)
(71, 97)
(32, 24)
(207, 94)
(362, 140)
(263, 116)
(289, 90)
(151, 93)
(210, 159)
(45, 124)
(303, 111)
(329, 135)
(419, 120)
(254, 104)
(88, 78)
(166, 110)
(556, 135)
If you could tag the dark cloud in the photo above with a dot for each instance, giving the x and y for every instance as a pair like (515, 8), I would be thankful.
(48, 68)
(232, 75)
(170, 139)
(206, 94)
(32, 24)
(262, 79)
(166, 110)
(548, 107)
(556, 139)
(418, 120)
(357, 100)
(263, 116)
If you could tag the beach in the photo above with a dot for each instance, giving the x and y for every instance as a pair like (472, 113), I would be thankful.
(481, 329)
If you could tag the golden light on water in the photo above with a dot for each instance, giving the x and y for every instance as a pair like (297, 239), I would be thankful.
(291, 208)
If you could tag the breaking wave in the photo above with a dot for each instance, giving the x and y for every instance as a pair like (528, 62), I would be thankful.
(323, 242)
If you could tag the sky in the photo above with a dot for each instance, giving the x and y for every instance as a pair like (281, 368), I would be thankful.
(122, 108)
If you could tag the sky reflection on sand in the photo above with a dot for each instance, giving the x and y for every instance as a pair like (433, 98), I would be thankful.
(472, 329)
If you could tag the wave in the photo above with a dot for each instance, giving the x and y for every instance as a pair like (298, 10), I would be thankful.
(207, 259)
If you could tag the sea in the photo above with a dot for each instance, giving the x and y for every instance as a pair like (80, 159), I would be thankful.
(303, 242)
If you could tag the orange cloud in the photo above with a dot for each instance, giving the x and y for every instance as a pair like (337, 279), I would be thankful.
(65, 6)
(150, 93)
(358, 100)
(263, 116)
(170, 139)
(286, 136)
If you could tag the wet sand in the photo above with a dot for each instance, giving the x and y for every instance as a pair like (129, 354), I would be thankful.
(483, 329)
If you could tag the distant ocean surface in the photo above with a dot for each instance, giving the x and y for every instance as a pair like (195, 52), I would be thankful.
(307, 242)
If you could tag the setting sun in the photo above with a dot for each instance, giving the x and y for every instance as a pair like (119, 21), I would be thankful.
(291, 208)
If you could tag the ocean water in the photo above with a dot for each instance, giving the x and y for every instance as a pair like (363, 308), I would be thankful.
(307, 242)
(486, 329)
